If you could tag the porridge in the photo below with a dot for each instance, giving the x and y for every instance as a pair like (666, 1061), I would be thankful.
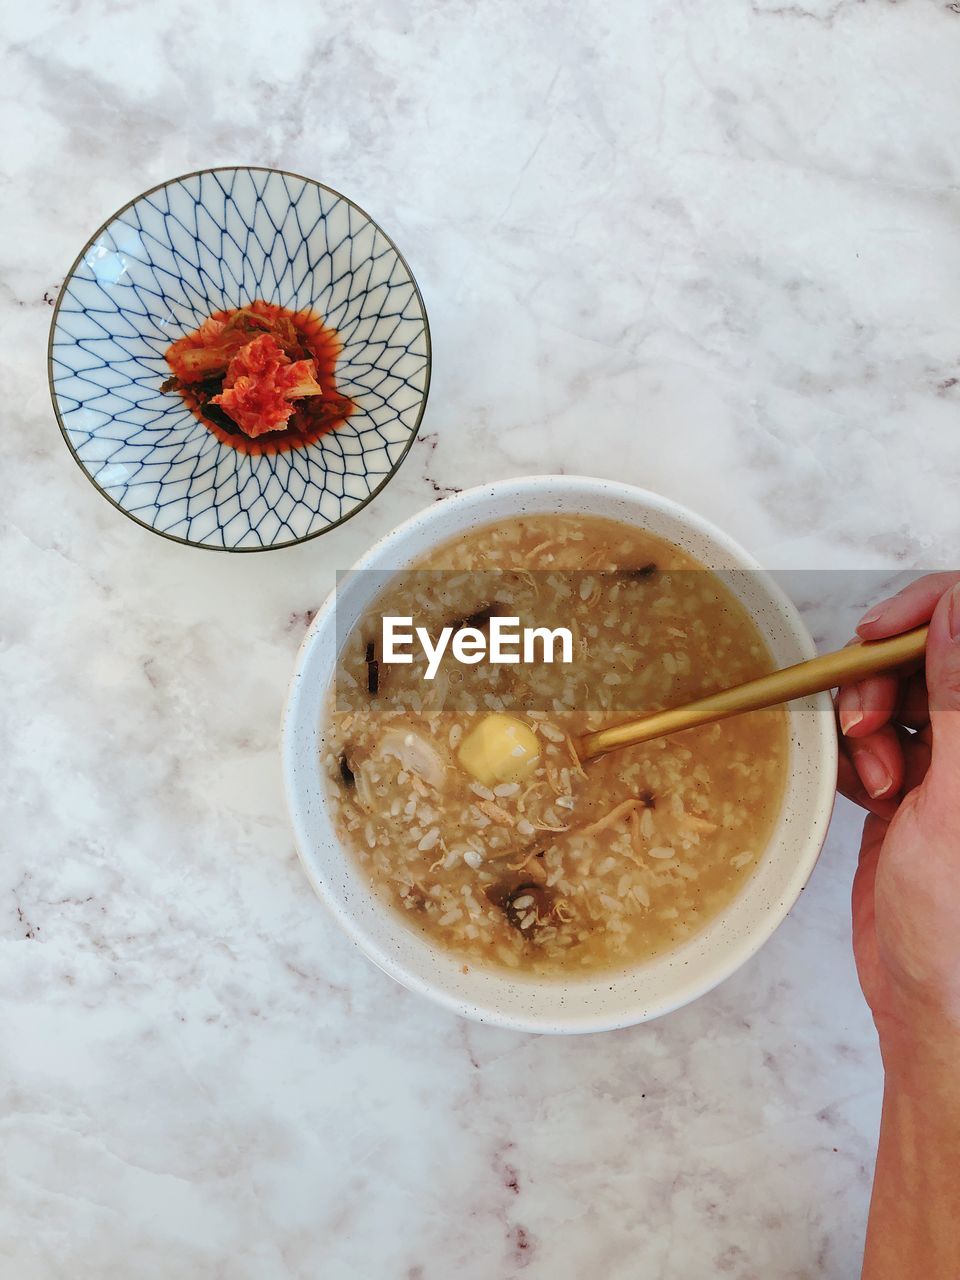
(463, 797)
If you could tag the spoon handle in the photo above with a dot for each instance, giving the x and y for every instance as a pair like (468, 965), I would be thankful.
(814, 676)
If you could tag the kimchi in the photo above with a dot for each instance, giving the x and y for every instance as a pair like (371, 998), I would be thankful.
(261, 377)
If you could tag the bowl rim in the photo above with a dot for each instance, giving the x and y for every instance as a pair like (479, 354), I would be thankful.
(68, 277)
(581, 1023)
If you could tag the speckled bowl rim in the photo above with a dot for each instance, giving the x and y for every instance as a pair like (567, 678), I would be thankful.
(747, 944)
(334, 524)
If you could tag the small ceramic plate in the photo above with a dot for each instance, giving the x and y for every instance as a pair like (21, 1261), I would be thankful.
(211, 241)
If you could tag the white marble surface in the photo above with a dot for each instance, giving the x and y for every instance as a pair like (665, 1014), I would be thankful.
(707, 247)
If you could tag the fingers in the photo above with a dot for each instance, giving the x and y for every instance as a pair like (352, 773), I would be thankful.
(863, 707)
(909, 608)
(878, 760)
(850, 784)
(943, 691)
(915, 755)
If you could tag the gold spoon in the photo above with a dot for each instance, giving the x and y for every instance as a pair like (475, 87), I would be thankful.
(866, 658)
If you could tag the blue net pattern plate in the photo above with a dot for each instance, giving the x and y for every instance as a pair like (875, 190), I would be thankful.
(214, 240)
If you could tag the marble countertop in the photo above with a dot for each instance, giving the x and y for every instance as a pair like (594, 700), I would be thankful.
(708, 248)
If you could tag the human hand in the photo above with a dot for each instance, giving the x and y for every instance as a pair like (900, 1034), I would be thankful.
(900, 759)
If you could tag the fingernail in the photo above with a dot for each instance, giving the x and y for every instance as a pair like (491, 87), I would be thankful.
(953, 614)
(875, 614)
(873, 774)
(851, 709)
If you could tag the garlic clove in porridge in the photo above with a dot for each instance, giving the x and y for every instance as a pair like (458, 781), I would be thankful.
(499, 749)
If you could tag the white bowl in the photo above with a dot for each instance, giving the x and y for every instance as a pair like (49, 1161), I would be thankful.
(599, 1001)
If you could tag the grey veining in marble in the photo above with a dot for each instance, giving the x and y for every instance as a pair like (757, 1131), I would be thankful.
(710, 248)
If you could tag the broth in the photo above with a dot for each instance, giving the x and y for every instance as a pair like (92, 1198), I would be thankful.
(576, 868)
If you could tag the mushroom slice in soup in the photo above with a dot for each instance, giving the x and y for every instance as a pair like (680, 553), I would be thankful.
(526, 905)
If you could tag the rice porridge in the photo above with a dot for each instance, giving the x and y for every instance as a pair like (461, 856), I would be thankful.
(571, 866)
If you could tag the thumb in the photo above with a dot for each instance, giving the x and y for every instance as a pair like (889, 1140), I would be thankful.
(943, 690)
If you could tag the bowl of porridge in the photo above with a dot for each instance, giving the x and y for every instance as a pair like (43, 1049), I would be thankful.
(442, 808)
